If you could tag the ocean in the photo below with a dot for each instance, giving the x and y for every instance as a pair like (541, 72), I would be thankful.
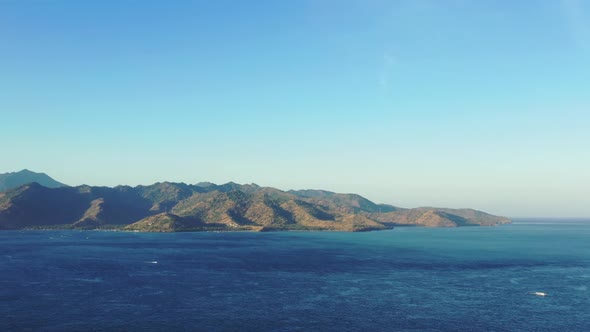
(406, 279)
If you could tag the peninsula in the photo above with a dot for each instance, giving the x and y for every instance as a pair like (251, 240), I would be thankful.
(174, 207)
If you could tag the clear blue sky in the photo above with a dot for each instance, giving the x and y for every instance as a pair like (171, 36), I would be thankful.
(482, 104)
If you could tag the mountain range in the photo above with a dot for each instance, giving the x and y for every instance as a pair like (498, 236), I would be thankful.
(172, 207)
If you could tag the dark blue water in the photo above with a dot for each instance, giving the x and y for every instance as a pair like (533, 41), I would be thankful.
(408, 279)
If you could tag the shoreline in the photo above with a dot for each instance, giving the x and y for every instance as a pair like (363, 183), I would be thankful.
(272, 230)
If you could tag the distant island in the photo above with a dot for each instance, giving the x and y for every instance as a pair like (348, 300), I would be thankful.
(31, 200)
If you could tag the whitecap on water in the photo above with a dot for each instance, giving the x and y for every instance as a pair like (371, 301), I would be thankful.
(515, 280)
(88, 279)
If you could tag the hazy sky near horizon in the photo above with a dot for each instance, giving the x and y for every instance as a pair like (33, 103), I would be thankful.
(482, 104)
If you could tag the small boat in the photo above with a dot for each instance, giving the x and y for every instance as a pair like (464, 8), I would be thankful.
(539, 293)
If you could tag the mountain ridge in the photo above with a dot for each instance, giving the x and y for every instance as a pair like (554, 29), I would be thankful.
(14, 180)
(169, 207)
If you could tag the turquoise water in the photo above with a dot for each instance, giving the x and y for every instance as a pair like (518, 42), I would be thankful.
(407, 279)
